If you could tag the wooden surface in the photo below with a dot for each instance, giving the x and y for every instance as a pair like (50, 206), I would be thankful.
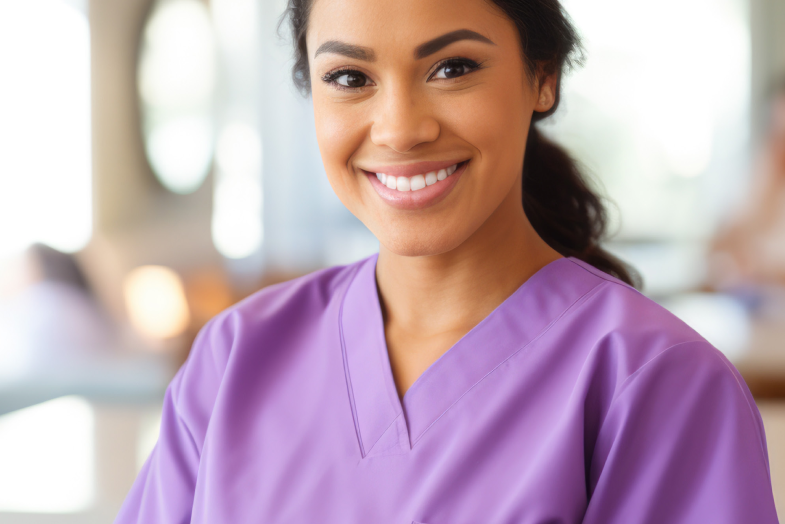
(763, 365)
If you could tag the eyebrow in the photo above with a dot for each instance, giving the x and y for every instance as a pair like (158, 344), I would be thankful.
(428, 48)
(440, 42)
(348, 50)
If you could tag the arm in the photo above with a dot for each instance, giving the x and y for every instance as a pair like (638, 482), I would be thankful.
(164, 490)
(682, 443)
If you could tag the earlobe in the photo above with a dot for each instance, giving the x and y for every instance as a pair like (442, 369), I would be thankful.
(547, 94)
(546, 99)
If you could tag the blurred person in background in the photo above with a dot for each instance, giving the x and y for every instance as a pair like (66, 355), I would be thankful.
(493, 362)
(50, 321)
(750, 249)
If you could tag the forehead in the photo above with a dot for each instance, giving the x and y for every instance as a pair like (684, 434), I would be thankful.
(402, 24)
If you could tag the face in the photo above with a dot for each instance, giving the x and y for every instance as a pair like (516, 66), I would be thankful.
(422, 110)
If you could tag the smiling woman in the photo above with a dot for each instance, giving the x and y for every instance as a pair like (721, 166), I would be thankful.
(492, 363)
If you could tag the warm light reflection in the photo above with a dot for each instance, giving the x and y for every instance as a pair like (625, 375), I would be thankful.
(237, 205)
(155, 302)
(177, 85)
(45, 142)
(47, 457)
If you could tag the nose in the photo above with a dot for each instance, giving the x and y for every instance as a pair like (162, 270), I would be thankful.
(402, 121)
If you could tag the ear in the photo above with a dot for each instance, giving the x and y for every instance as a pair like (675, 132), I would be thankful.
(546, 96)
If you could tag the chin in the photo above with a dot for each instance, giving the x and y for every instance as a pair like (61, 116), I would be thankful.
(420, 245)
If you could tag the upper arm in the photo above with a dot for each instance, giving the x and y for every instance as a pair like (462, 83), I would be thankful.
(164, 489)
(682, 443)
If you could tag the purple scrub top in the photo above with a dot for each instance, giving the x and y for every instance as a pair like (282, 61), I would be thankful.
(578, 400)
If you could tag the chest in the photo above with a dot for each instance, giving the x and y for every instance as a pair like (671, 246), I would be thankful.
(488, 460)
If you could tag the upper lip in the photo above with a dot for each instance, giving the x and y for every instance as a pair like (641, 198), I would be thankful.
(410, 170)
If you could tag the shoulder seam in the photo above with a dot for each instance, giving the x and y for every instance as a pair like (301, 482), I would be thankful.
(634, 374)
(201, 338)
(180, 419)
(602, 275)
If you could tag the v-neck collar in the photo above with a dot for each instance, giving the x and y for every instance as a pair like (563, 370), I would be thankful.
(532, 308)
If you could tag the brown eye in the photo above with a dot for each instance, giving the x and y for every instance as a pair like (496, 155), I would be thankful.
(454, 71)
(455, 68)
(352, 79)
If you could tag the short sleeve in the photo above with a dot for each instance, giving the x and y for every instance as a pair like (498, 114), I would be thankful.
(682, 442)
(163, 492)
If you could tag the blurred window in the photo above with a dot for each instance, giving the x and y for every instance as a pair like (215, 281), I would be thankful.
(660, 111)
(659, 115)
(176, 85)
(47, 457)
(45, 142)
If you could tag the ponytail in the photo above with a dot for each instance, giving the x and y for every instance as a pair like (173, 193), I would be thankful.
(563, 209)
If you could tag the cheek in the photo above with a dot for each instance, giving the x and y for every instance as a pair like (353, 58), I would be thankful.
(495, 122)
(340, 131)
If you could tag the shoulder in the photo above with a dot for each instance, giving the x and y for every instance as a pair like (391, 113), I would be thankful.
(643, 353)
(631, 339)
(253, 329)
(627, 327)
(688, 393)
(275, 309)
(314, 291)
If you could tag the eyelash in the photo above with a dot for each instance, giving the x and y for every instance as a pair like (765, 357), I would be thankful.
(457, 61)
(332, 77)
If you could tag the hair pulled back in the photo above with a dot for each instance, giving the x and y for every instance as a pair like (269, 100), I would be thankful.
(562, 208)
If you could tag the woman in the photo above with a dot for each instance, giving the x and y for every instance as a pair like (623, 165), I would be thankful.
(749, 251)
(486, 366)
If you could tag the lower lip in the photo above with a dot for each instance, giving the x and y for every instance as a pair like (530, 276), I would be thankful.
(422, 198)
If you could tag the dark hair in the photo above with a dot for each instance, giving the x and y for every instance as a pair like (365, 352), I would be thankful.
(561, 207)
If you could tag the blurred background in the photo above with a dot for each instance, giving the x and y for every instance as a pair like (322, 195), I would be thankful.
(156, 166)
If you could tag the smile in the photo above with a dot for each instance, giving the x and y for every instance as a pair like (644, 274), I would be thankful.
(415, 186)
(416, 182)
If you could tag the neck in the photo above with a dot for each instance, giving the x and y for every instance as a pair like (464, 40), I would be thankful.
(452, 292)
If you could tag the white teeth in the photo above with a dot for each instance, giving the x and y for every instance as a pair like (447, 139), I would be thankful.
(417, 182)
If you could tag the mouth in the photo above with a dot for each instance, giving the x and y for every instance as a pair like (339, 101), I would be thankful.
(416, 186)
(419, 181)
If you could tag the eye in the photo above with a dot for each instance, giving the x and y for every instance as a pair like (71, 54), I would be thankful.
(347, 78)
(454, 68)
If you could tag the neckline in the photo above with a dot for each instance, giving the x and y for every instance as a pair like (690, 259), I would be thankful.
(488, 318)
(529, 310)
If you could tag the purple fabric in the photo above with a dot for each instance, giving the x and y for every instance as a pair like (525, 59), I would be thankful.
(576, 400)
